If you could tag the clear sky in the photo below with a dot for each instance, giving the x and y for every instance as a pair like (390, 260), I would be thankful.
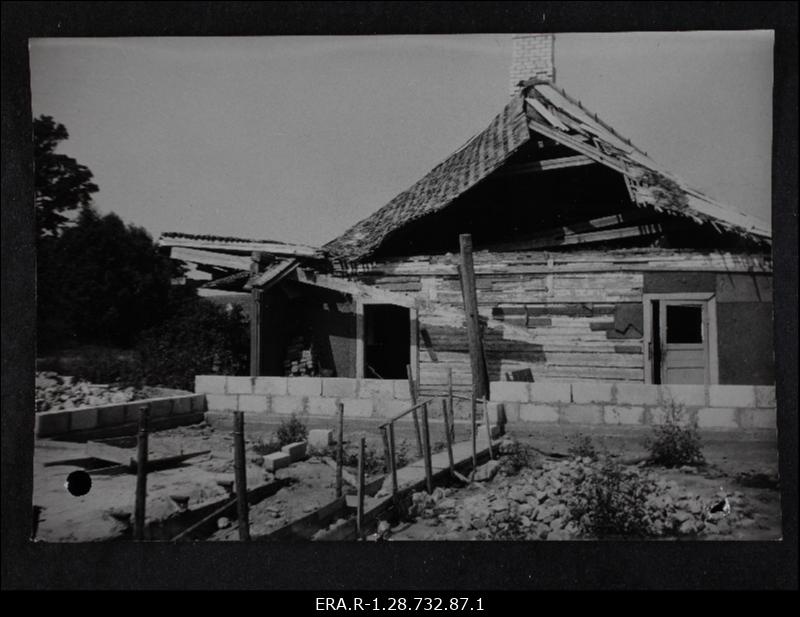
(297, 138)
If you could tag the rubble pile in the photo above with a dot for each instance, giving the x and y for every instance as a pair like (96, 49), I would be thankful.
(537, 503)
(54, 392)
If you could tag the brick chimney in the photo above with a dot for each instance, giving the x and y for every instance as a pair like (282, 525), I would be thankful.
(532, 57)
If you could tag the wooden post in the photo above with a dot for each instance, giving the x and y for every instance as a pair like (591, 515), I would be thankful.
(488, 427)
(427, 436)
(255, 332)
(448, 439)
(340, 450)
(360, 509)
(385, 438)
(141, 474)
(480, 378)
(392, 460)
(413, 390)
(474, 434)
(240, 475)
(450, 403)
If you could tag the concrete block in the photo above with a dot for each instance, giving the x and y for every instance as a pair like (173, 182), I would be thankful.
(209, 384)
(276, 460)
(550, 392)
(529, 412)
(732, 396)
(339, 387)
(51, 423)
(511, 411)
(304, 386)
(271, 385)
(765, 396)
(321, 406)
(717, 417)
(758, 418)
(496, 412)
(296, 450)
(239, 385)
(614, 414)
(387, 408)
(111, 415)
(582, 414)
(181, 405)
(657, 415)
(320, 438)
(198, 402)
(254, 403)
(687, 395)
(510, 391)
(286, 405)
(637, 394)
(592, 392)
(222, 402)
(401, 389)
(82, 419)
(376, 388)
(357, 407)
(160, 407)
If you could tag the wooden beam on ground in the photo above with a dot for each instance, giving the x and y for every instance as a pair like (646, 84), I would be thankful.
(480, 378)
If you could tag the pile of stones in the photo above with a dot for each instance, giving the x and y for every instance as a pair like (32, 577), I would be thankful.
(54, 392)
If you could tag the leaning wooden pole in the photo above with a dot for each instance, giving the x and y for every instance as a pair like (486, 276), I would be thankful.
(240, 476)
(427, 438)
(340, 450)
(412, 387)
(450, 404)
(141, 474)
(474, 434)
(393, 461)
(480, 377)
(360, 508)
(488, 427)
(448, 438)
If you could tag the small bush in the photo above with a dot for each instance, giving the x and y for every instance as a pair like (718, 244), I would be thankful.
(291, 431)
(583, 447)
(675, 443)
(611, 500)
(263, 447)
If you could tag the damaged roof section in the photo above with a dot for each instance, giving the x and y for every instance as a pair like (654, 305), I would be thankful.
(541, 109)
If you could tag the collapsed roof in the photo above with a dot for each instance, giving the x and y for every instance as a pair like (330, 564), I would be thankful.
(541, 109)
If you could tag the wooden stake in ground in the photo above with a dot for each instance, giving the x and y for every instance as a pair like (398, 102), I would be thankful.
(240, 475)
(427, 452)
(413, 390)
(393, 461)
(340, 450)
(450, 404)
(488, 427)
(255, 318)
(141, 474)
(474, 434)
(480, 377)
(360, 509)
(447, 436)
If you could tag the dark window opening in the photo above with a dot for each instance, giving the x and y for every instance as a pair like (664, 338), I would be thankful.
(386, 341)
(684, 324)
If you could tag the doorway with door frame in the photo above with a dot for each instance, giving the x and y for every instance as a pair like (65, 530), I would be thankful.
(709, 302)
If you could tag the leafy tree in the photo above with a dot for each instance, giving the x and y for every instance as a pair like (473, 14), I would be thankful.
(61, 184)
(100, 281)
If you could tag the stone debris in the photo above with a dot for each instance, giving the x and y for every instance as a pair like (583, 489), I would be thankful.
(55, 392)
(537, 503)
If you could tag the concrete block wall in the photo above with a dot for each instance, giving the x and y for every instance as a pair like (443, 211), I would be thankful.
(610, 403)
(313, 396)
(65, 421)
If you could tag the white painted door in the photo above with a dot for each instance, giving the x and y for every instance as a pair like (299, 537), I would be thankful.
(683, 342)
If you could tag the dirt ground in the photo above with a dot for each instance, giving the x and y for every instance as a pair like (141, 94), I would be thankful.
(105, 512)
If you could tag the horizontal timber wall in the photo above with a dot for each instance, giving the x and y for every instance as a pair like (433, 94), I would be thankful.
(565, 315)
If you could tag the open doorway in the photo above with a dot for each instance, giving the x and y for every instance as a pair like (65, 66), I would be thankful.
(386, 341)
(680, 333)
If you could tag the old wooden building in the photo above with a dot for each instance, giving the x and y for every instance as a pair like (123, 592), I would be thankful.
(591, 262)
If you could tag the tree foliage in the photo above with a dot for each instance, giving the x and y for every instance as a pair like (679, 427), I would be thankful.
(100, 281)
(61, 184)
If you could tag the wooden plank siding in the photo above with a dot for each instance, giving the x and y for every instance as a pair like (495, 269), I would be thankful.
(550, 312)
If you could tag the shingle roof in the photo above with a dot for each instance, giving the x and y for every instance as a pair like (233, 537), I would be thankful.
(544, 109)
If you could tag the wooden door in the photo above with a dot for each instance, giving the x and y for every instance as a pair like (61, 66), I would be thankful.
(683, 338)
